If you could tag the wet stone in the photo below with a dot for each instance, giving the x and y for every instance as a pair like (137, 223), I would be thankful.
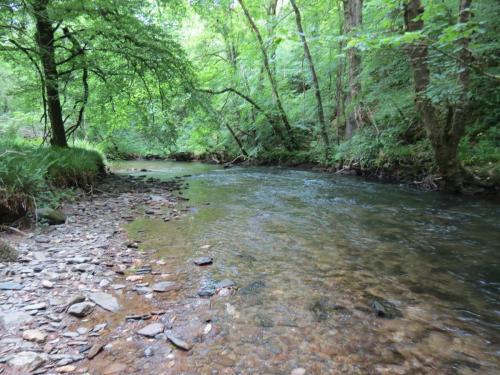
(385, 309)
(203, 261)
(164, 286)
(226, 283)
(105, 300)
(95, 349)
(151, 330)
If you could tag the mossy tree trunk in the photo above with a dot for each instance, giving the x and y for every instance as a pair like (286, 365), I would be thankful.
(46, 51)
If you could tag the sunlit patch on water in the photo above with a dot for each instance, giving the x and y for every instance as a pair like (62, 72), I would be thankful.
(320, 259)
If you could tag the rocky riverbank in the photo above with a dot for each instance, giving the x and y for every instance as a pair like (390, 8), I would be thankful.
(81, 298)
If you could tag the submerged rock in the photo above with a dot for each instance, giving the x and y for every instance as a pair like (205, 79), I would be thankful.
(203, 261)
(385, 309)
(164, 286)
(322, 309)
(51, 216)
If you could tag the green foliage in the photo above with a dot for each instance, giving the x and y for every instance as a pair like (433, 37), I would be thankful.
(39, 176)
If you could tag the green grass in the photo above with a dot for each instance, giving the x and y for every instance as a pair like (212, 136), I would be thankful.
(32, 176)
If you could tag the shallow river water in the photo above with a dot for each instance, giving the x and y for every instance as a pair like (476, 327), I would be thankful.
(315, 255)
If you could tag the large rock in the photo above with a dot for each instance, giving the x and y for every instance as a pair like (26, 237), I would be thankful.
(28, 360)
(105, 300)
(81, 310)
(151, 330)
(7, 252)
(53, 217)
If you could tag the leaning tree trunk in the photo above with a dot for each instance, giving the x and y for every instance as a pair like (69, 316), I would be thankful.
(353, 14)
(444, 135)
(314, 76)
(45, 42)
(272, 80)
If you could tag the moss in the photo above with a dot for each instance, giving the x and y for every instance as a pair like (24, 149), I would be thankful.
(7, 252)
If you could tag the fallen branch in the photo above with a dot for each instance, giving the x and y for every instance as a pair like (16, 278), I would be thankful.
(12, 229)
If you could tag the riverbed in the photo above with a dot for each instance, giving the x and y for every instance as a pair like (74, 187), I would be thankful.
(334, 274)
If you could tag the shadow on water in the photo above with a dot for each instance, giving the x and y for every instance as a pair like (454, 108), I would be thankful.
(319, 260)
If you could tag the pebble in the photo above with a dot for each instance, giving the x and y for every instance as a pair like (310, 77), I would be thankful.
(36, 306)
(298, 371)
(95, 349)
(66, 369)
(47, 284)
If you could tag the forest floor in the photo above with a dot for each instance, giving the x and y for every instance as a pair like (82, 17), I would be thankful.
(82, 299)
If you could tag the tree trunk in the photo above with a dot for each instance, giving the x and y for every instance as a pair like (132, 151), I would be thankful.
(353, 14)
(45, 42)
(339, 85)
(317, 90)
(445, 135)
(274, 86)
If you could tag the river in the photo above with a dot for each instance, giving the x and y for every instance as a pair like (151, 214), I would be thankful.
(315, 256)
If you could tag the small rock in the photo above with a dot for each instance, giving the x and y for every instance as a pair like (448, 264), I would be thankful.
(105, 300)
(10, 285)
(66, 369)
(35, 335)
(298, 371)
(151, 330)
(36, 306)
(95, 349)
(81, 310)
(164, 286)
(134, 278)
(181, 344)
(203, 261)
(148, 352)
(75, 299)
(47, 284)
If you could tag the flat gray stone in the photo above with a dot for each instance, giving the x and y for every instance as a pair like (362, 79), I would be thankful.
(151, 330)
(164, 286)
(181, 344)
(13, 319)
(10, 285)
(81, 310)
(105, 300)
(29, 360)
(36, 306)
